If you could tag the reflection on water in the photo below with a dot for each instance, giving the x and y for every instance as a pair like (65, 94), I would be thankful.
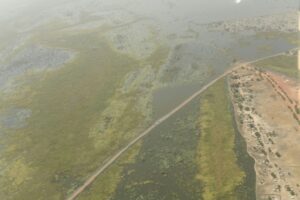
(165, 99)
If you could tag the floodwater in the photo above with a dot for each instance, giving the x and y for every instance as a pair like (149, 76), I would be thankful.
(167, 98)
(207, 11)
(197, 56)
(241, 46)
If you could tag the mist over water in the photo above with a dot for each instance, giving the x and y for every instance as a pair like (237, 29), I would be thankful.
(203, 11)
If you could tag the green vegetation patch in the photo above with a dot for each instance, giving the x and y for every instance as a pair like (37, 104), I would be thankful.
(55, 152)
(284, 64)
(292, 38)
(158, 57)
(219, 170)
(165, 167)
(105, 185)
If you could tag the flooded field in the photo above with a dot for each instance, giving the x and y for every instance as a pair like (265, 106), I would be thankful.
(81, 79)
(170, 163)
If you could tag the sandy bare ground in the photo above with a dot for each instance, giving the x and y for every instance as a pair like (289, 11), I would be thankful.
(289, 85)
(265, 111)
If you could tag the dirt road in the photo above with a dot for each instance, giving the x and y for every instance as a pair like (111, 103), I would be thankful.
(156, 123)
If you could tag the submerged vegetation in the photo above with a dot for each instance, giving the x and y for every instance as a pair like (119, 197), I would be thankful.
(291, 37)
(83, 78)
(179, 161)
(80, 114)
(219, 169)
(59, 147)
(105, 185)
(165, 167)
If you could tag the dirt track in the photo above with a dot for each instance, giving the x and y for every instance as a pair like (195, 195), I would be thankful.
(92, 178)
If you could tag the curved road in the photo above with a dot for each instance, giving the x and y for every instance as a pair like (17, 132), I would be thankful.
(91, 179)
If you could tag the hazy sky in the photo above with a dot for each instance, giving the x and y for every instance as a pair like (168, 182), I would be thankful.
(10, 8)
(12, 5)
(202, 8)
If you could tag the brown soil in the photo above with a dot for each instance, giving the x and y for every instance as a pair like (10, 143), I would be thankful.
(290, 86)
(265, 109)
